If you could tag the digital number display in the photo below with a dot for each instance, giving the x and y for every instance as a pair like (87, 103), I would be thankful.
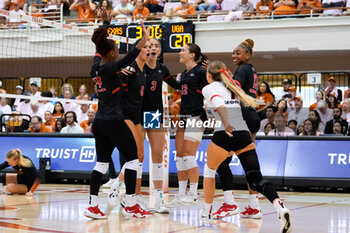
(174, 35)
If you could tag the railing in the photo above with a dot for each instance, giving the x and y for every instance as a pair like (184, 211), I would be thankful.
(11, 83)
(11, 122)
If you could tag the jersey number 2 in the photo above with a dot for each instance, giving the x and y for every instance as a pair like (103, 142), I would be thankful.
(184, 89)
(98, 82)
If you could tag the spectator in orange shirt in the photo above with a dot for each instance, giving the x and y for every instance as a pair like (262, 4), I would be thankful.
(106, 5)
(265, 98)
(58, 111)
(20, 4)
(49, 121)
(306, 5)
(285, 7)
(319, 96)
(140, 12)
(154, 5)
(85, 8)
(185, 9)
(264, 8)
(37, 126)
(87, 124)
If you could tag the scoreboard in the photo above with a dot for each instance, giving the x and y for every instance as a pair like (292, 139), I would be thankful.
(172, 35)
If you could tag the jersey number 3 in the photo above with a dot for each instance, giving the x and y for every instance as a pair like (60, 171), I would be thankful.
(154, 85)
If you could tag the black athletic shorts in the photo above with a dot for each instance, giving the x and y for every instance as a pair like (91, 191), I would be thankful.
(27, 181)
(240, 140)
(253, 125)
(136, 118)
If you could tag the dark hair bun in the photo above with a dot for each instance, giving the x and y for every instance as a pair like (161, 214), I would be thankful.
(100, 36)
(250, 42)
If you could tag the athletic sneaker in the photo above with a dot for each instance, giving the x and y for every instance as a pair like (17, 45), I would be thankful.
(142, 203)
(113, 196)
(109, 183)
(160, 207)
(94, 212)
(205, 218)
(135, 212)
(190, 199)
(226, 210)
(175, 202)
(284, 216)
(249, 212)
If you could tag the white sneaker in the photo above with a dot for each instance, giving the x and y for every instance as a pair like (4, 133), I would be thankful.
(109, 183)
(205, 218)
(285, 219)
(175, 202)
(160, 207)
(94, 212)
(190, 199)
(113, 197)
(142, 203)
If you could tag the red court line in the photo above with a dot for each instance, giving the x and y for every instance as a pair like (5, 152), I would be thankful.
(299, 208)
(191, 228)
(1, 218)
(39, 203)
(28, 228)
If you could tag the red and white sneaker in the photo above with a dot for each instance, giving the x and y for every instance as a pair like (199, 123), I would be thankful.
(249, 212)
(135, 212)
(94, 212)
(226, 210)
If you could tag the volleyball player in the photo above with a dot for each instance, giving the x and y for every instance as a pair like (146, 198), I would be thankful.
(233, 136)
(187, 140)
(156, 73)
(27, 178)
(109, 128)
(245, 77)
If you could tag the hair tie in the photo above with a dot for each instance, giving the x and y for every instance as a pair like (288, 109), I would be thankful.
(17, 150)
(246, 48)
(229, 78)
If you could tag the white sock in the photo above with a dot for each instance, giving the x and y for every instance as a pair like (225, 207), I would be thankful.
(158, 194)
(207, 208)
(130, 200)
(278, 205)
(193, 188)
(254, 201)
(93, 200)
(182, 187)
(229, 197)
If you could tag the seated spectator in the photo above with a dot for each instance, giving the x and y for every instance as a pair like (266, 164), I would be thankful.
(293, 124)
(49, 121)
(346, 110)
(325, 113)
(332, 101)
(244, 6)
(264, 8)
(170, 17)
(281, 129)
(82, 113)
(122, 10)
(32, 4)
(86, 10)
(69, 106)
(24, 106)
(58, 111)
(34, 89)
(284, 8)
(332, 4)
(140, 12)
(154, 5)
(291, 98)
(4, 107)
(71, 121)
(332, 89)
(35, 109)
(305, 6)
(300, 129)
(287, 83)
(315, 117)
(46, 105)
(347, 92)
(67, 87)
(94, 95)
(59, 125)
(106, 5)
(282, 108)
(185, 9)
(17, 8)
(270, 117)
(15, 101)
(268, 128)
(337, 112)
(299, 113)
(265, 98)
(319, 96)
(83, 93)
(87, 124)
(310, 129)
(210, 5)
(337, 128)
(37, 126)
(18, 3)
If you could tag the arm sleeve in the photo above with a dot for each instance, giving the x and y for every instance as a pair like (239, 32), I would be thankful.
(212, 96)
(203, 77)
(129, 57)
(169, 79)
(240, 76)
(4, 165)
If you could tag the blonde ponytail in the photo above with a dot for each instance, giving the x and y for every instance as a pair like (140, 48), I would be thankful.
(219, 73)
(17, 154)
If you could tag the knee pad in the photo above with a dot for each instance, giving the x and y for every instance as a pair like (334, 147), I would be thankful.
(131, 165)
(139, 171)
(190, 162)
(209, 173)
(180, 164)
(255, 180)
(101, 167)
(157, 171)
